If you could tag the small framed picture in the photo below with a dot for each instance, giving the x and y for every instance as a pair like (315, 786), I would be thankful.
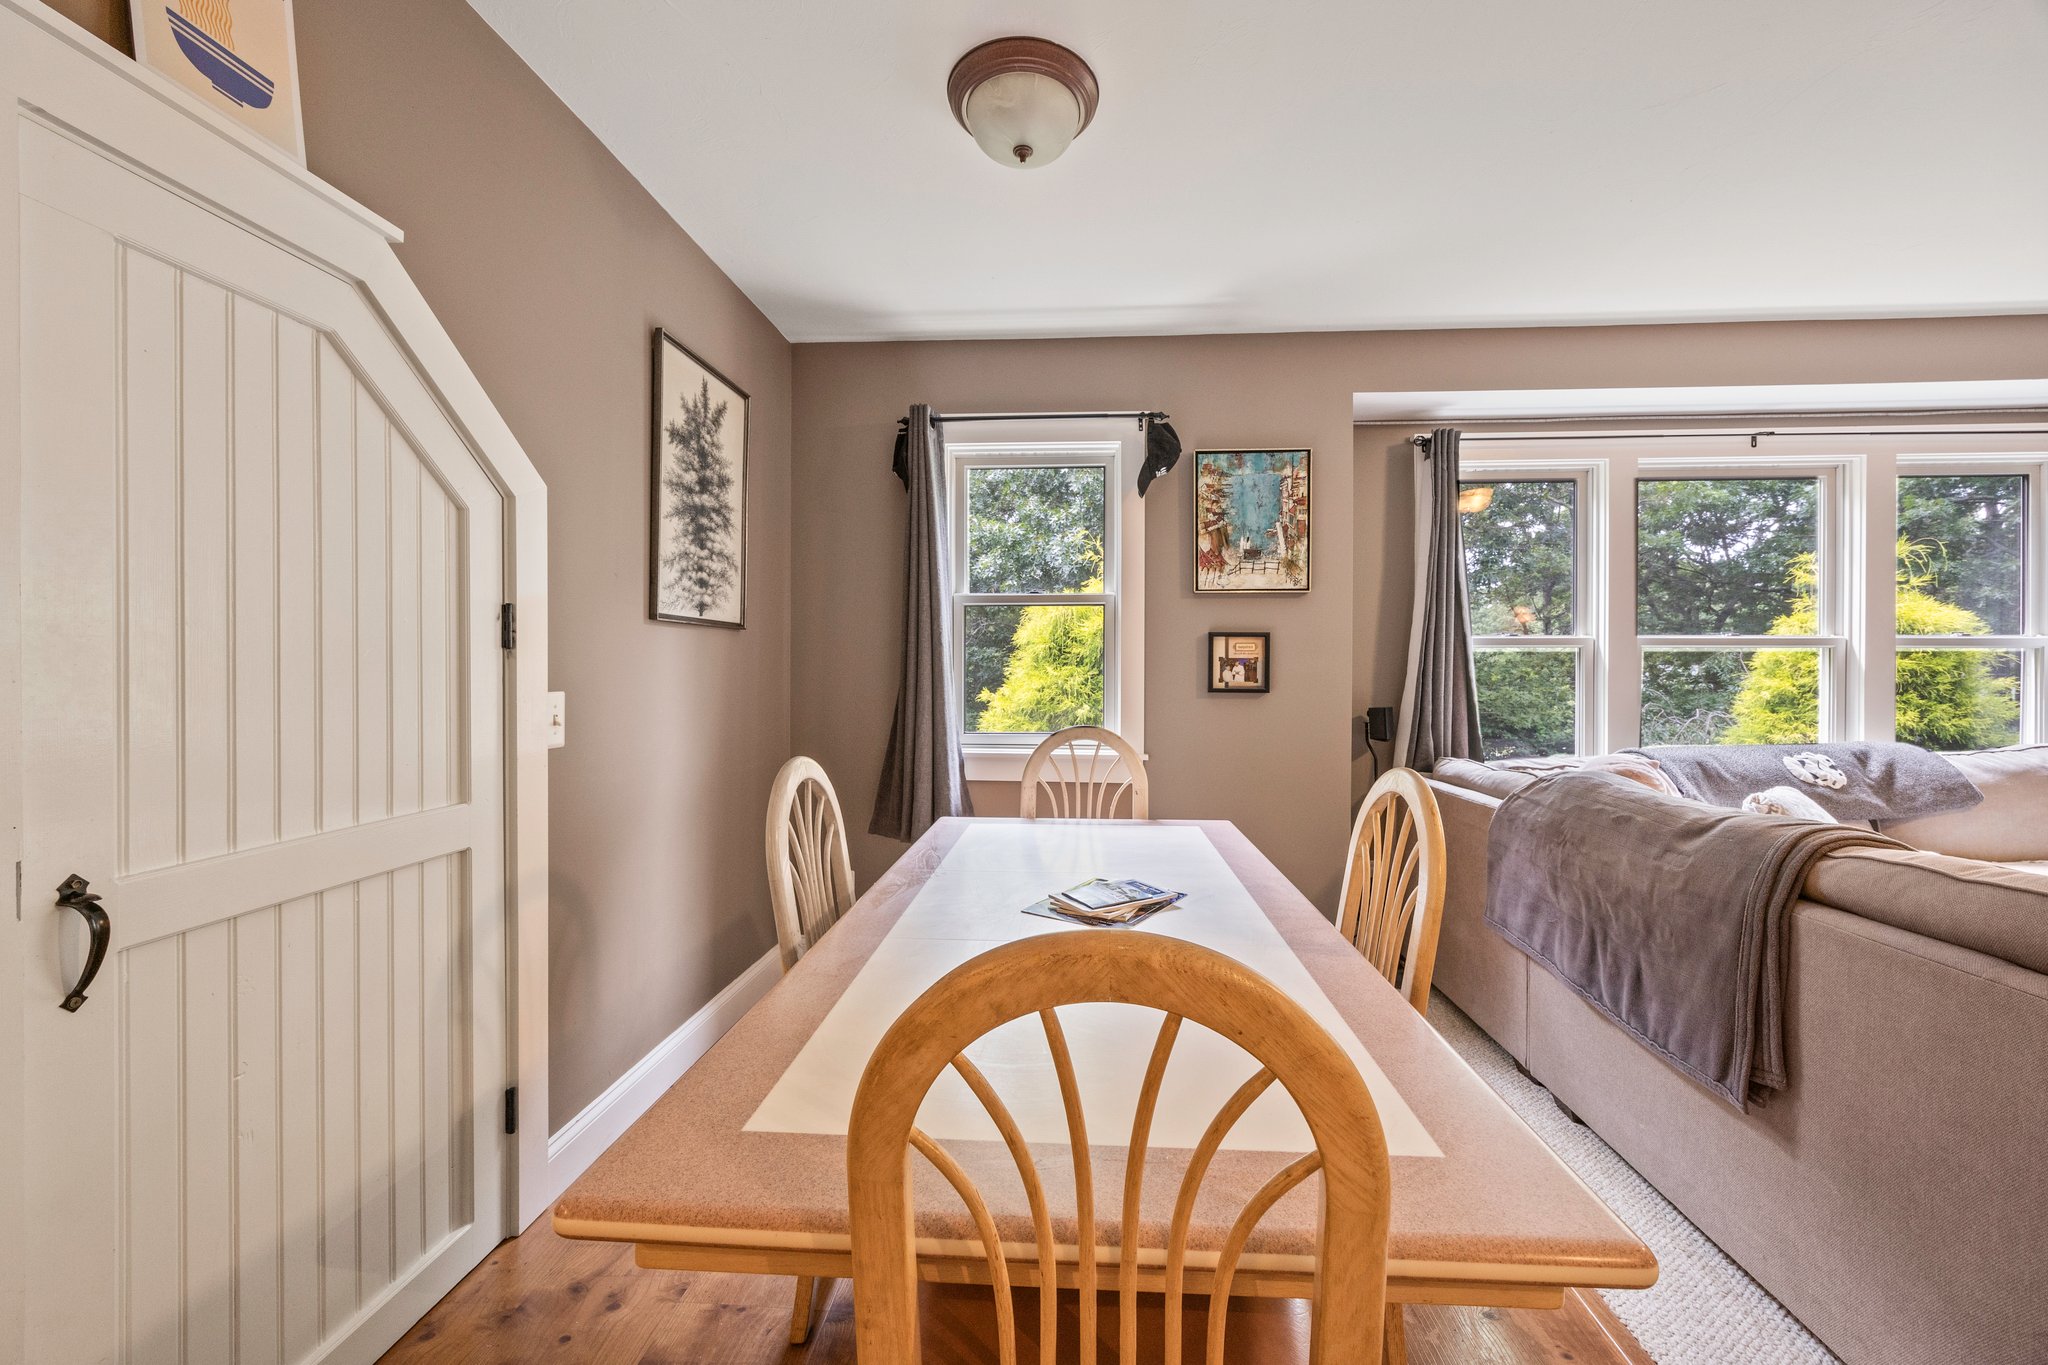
(1240, 661)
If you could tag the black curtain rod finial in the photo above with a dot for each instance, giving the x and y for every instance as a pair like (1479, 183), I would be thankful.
(1426, 443)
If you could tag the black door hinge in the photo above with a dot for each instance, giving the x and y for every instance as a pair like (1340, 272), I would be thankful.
(508, 626)
(512, 1109)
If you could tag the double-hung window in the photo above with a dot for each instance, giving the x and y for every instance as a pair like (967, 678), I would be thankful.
(1968, 610)
(1703, 590)
(1737, 604)
(1527, 571)
(1045, 528)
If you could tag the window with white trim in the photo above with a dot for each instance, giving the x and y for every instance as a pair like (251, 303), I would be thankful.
(1815, 586)
(1046, 562)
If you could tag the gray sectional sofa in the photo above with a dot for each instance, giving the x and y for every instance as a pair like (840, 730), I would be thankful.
(1895, 1198)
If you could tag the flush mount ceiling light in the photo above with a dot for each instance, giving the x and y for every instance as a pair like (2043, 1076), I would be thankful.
(1022, 99)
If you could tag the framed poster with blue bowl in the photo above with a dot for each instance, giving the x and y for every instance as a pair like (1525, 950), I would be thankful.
(236, 56)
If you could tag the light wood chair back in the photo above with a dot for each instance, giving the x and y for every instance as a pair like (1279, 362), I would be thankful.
(1392, 905)
(810, 885)
(1188, 982)
(1082, 773)
(810, 874)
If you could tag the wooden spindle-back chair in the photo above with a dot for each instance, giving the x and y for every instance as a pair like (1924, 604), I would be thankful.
(1189, 982)
(1082, 773)
(1392, 904)
(810, 874)
(810, 885)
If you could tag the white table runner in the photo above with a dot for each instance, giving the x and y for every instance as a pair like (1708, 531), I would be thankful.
(974, 903)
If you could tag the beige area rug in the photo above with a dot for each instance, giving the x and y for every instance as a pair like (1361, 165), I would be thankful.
(1703, 1310)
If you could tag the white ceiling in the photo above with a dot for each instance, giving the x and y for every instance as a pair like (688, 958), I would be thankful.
(1326, 164)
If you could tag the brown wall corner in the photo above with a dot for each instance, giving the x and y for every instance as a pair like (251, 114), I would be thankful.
(107, 20)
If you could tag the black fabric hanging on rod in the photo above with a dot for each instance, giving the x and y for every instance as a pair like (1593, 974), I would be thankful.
(900, 462)
(1162, 442)
(1162, 451)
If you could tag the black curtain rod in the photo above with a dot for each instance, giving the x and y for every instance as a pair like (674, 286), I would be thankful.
(1029, 416)
(1162, 442)
(1422, 439)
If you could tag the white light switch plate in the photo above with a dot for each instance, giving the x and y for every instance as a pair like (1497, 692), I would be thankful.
(558, 719)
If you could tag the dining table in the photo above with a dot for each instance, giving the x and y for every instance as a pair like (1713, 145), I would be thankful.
(741, 1165)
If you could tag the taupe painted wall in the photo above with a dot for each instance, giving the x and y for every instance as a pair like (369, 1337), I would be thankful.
(106, 18)
(1279, 766)
(1266, 761)
(550, 266)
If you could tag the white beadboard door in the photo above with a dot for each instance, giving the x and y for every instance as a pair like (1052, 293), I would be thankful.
(264, 713)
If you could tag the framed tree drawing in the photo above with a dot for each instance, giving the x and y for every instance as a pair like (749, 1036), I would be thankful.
(1251, 521)
(698, 540)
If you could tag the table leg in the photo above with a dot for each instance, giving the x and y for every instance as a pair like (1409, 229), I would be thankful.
(1394, 1338)
(800, 1314)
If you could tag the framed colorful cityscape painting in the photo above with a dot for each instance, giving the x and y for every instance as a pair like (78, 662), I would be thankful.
(1251, 521)
(235, 55)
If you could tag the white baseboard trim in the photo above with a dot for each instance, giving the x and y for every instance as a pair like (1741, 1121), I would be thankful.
(582, 1139)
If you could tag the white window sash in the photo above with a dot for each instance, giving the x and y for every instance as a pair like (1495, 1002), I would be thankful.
(1058, 444)
(1588, 585)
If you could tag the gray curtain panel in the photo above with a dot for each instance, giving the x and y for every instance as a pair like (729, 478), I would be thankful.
(924, 776)
(1440, 710)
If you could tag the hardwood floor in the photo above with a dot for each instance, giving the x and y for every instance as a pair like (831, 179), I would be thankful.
(539, 1297)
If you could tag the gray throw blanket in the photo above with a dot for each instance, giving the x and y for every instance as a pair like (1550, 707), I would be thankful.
(1668, 916)
(1876, 782)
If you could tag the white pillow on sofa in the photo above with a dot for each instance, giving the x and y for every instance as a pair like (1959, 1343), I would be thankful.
(1787, 801)
(2011, 826)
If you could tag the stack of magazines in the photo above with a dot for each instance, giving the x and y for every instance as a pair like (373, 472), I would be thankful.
(1104, 902)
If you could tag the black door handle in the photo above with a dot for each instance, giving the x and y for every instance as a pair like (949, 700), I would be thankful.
(72, 895)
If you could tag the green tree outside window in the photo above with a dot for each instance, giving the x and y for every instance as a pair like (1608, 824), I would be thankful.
(1946, 698)
(1053, 677)
(1034, 529)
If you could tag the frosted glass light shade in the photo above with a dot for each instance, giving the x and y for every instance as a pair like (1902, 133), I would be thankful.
(1022, 118)
(1023, 100)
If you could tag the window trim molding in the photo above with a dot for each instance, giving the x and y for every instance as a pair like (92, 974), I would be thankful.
(1115, 444)
(1858, 528)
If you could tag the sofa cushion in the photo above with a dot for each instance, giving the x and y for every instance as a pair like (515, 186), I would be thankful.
(1992, 909)
(1484, 778)
(2010, 826)
(1504, 775)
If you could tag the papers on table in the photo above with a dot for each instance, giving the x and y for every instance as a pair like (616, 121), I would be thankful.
(1105, 903)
